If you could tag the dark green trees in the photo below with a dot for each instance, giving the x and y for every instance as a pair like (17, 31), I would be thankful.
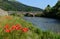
(56, 10)
(53, 12)
(12, 5)
(47, 11)
(57, 6)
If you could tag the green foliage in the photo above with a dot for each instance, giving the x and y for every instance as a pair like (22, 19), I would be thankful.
(38, 15)
(47, 11)
(33, 32)
(56, 10)
(53, 12)
(16, 6)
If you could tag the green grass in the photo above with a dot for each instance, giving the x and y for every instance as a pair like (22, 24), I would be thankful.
(33, 32)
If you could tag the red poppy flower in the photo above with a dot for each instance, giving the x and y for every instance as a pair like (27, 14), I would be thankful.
(25, 29)
(18, 28)
(13, 27)
(7, 30)
(17, 25)
(6, 26)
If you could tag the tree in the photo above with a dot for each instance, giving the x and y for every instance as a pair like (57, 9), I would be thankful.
(47, 10)
(56, 10)
(58, 13)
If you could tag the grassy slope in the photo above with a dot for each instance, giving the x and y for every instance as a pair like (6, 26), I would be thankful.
(33, 32)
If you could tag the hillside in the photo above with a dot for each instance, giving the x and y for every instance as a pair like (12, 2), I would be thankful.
(57, 6)
(56, 10)
(52, 12)
(16, 6)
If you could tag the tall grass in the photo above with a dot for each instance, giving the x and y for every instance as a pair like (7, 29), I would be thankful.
(32, 33)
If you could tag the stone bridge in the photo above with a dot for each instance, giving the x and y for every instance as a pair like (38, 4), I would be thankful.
(20, 12)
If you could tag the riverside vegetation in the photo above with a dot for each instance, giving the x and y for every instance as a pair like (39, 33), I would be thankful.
(13, 27)
(50, 12)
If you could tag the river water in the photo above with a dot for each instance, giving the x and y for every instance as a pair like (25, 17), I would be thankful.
(45, 23)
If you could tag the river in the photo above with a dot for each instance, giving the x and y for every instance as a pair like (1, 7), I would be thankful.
(45, 23)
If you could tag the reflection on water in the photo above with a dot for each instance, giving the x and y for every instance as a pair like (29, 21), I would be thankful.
(45, 23)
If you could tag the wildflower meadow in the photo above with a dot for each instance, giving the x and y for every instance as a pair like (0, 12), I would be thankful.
(13, 27)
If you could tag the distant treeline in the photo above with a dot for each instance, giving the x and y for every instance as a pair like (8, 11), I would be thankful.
(50, 12)
(9, 5)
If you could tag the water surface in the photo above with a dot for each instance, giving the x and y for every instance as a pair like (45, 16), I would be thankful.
(45, 23)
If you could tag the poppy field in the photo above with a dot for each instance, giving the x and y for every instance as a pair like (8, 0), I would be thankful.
(13, 27)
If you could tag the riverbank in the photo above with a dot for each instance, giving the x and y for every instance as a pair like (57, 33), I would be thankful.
(24, 30)
(41, 15)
